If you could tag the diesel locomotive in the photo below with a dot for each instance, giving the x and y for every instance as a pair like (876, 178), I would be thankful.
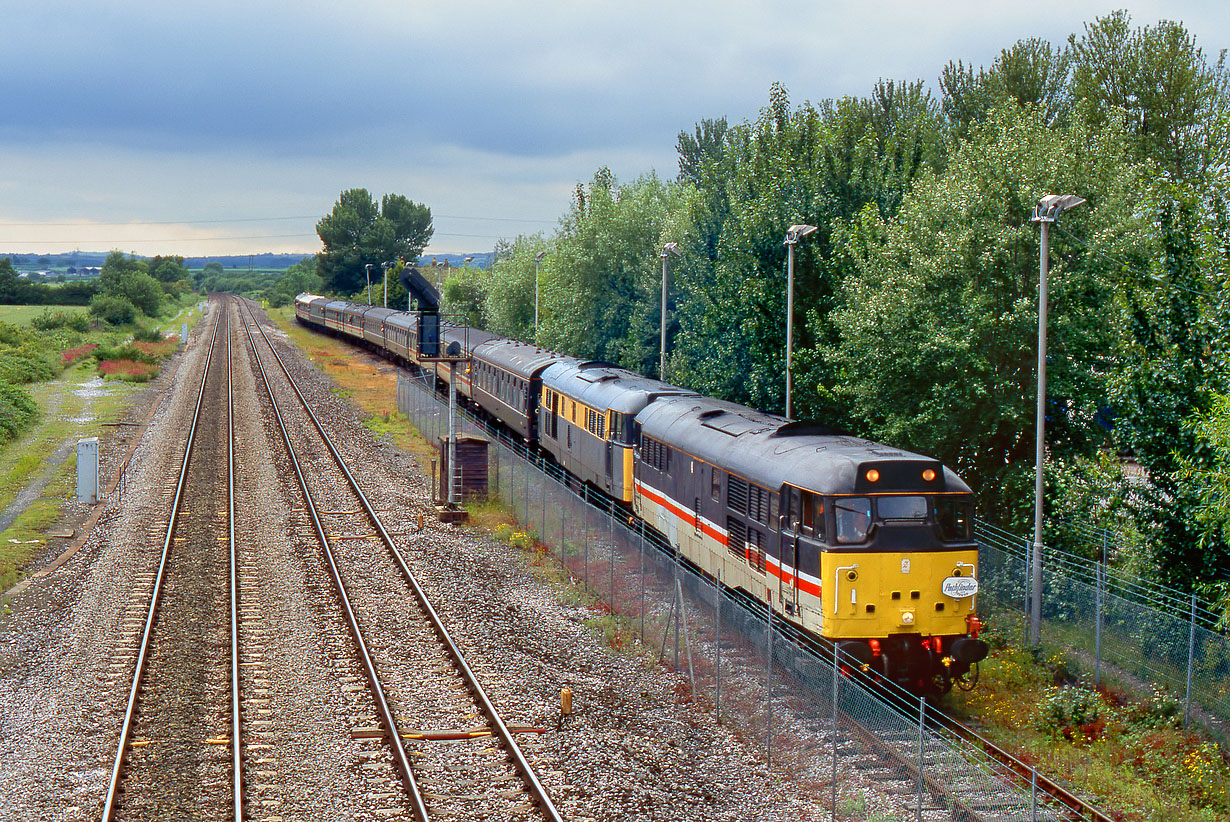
(868, 546)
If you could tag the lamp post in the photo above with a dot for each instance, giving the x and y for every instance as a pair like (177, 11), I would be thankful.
(793, 234)
(1045, 212)
(384, 273)
(537, 263)
(368, 268)
(667, 251)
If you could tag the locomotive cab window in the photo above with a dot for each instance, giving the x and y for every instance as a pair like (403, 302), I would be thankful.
(805, 512)
(952, 517)
(901, 510)
(853, 516)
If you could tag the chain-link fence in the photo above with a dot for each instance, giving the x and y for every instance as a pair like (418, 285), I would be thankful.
(813, 715)
(1110, 620)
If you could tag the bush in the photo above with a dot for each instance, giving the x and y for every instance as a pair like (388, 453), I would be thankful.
(1073, 713)
(17, 411)
(144, 334)
(112, 309)
(49, 320)
(20, 366)
(1161, 711)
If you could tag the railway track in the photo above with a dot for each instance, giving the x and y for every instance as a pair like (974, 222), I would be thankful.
(453, 753)
(944, 788)
(168, 763)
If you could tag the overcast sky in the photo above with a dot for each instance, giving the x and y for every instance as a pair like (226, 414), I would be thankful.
(231, 127)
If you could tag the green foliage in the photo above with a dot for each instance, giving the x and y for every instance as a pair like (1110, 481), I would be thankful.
(465, 294)
(144, 334)
(50, 320)
(936, 349)
(357, 232)
(113, 309)
(1091, 504)
(24, 365)
(509, 301)
(806, 165)
(17, 411)
(127, 278)
(15, 290)
(1030, 74)
(1159, 82)
(599, 285)
(1073, 713)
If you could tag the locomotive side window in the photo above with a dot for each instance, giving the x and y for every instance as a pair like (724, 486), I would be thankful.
(715, 483)
(952, 517)
(853, 518)
(901, 509)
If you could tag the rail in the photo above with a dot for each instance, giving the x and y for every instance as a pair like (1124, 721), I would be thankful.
(501, 731)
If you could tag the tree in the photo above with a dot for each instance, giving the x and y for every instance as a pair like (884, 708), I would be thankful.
(937, 338)
(465, 295)
(509, 301)
(1031, 73)
(803, 165)
(167, 269)
(126, 277)
(1160, 81)
(357, 233)
(604, 267)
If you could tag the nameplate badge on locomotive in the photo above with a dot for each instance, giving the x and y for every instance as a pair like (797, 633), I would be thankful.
(905, 565)
(959, 587)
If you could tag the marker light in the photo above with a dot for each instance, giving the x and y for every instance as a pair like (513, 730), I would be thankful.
(907, 617)
(928, 475)
(873, 475)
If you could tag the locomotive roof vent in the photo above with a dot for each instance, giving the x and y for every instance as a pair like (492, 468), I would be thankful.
(800, 428)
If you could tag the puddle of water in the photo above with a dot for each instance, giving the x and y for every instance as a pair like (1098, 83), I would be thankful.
(92, 388)
(84, 419)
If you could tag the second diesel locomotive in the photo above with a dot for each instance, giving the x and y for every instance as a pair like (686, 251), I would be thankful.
(863, 544)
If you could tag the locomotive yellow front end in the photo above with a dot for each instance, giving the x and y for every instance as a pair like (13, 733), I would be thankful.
(899, 578)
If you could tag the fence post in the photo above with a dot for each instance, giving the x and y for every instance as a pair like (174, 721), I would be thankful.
(687, 643)
(585, 498)
(1033, 794)
(610, 523)
(643, 585)
(1028, 609)
(922, 715)
(1191, 658)
(768, 677)
(833, 734)
(1097, 634)
(717, 632)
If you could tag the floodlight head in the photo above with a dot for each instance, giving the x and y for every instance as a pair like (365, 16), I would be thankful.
(795, 232)
(671, 248)
(538, 257)
(1052, 205)
(469, 259)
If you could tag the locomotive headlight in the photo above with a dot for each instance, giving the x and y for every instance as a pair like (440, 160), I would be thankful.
(907, 617)
(928, 475)
(873, 475)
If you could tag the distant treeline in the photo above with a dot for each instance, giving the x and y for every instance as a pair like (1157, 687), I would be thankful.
(15, 290)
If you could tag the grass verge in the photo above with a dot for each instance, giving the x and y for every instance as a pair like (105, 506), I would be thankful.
(1131, 754)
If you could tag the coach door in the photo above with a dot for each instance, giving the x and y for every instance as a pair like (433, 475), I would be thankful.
(791, 521)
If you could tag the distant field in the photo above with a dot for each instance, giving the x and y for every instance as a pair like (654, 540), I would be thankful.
(22, 314)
